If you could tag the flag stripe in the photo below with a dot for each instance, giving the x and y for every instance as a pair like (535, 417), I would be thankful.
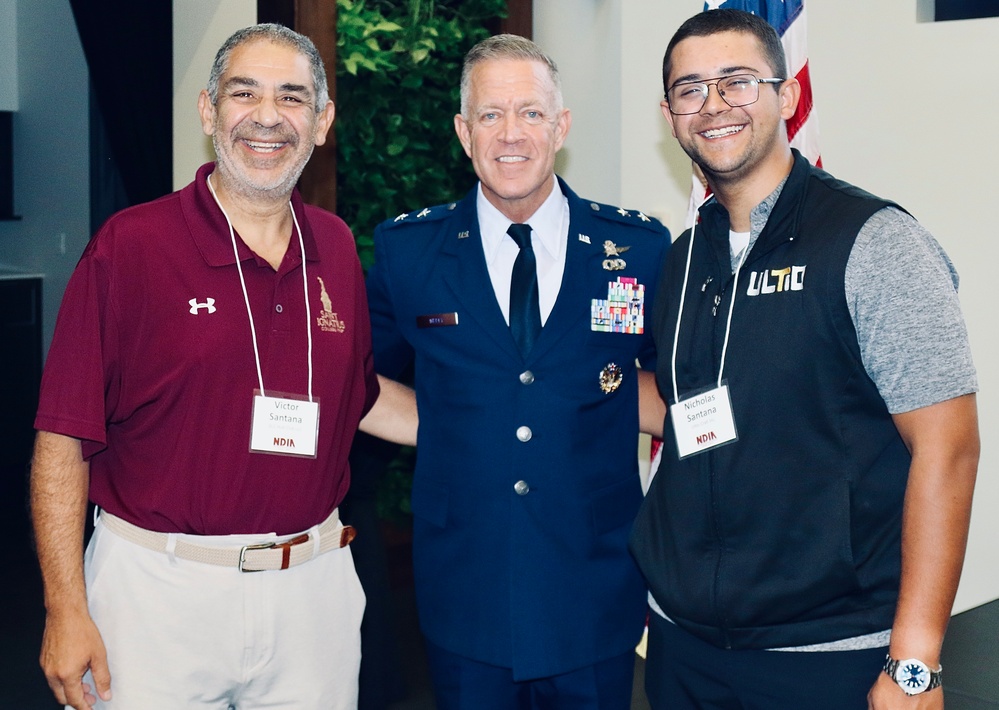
(795, 43)
(802, 128)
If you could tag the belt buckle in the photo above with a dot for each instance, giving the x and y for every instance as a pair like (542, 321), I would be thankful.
(285, 547)
(247, 548)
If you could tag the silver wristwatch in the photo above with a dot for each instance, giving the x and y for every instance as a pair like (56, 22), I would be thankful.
(912, 675)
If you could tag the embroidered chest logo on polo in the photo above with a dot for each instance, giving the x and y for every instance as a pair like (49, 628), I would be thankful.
(790, 278)
(208, 305)
(327, 320)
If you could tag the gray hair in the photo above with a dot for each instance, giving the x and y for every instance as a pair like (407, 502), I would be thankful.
(278, 34)
(507, 46)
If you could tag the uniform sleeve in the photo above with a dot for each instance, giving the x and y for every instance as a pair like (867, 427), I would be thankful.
(392, 353)
(79, 382)
(901, 289)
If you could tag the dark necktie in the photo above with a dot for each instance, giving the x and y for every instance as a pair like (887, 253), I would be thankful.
(525, 313)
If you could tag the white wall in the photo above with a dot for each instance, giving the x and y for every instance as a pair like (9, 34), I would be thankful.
(51, 149)
(8, 55)
(619, 150)
(199, 29)
(874, 68)
(933, 160)
(591, 89)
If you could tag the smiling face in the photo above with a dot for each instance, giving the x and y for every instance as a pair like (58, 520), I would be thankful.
(512, 131)
(732, 144)
(264, 125)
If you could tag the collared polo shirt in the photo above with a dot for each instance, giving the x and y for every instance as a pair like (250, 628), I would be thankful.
(152, 366)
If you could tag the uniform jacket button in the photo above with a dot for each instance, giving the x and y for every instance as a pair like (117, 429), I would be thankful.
(524, 433)
(521, 488)
(526, 377)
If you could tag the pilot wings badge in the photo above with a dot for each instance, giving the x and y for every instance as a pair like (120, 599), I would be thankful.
(613, 252)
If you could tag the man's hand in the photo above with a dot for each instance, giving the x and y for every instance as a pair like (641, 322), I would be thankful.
(886, 695)
(71, 646)
(651, 407)
(393, 416)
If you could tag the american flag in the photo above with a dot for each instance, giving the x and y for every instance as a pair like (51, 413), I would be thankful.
(788, 18)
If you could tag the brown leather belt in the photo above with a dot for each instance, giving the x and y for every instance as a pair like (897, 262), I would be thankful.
(277, 555)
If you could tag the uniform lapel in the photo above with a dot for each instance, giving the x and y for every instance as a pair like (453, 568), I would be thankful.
(463, 264)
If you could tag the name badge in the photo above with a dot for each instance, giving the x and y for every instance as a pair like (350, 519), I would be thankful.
(436, 320)
(284, 425)
(703, 421)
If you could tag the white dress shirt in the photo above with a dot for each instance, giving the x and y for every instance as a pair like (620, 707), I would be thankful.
(549, 236)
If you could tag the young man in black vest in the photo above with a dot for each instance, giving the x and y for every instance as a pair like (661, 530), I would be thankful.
(810, 515)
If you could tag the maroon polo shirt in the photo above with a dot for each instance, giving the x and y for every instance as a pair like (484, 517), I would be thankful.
(152, 367)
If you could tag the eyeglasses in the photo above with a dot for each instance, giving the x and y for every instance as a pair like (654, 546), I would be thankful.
(736, 90)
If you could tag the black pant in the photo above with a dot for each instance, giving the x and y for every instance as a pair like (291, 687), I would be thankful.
(463, 684)
(684, 673)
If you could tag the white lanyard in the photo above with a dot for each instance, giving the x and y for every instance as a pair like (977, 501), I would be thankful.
(704, 419)
(683, 295)
(246, 298)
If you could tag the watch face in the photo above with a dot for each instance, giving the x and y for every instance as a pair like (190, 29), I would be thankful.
(913, 676)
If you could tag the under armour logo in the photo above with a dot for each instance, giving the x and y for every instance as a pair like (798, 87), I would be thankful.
(209, 304)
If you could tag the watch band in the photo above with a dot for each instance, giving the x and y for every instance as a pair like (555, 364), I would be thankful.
(909, 685)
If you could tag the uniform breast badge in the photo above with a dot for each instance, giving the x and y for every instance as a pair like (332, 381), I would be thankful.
(623, 311)
(613, 252)
(611, 377)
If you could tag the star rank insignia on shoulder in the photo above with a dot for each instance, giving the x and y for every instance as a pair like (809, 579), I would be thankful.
(635, 218)
(427, 214)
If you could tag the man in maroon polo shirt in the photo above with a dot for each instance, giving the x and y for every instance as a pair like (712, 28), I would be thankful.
(210, 365)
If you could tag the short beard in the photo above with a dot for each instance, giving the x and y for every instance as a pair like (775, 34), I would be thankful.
(239, 183)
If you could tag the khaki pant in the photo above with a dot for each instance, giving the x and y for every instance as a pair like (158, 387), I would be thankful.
(183, 634)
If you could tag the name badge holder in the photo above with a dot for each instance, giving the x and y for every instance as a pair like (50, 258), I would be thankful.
(703, 420)
(284, 424)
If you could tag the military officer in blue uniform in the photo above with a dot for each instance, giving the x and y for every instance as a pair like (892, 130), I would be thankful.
(523, 308)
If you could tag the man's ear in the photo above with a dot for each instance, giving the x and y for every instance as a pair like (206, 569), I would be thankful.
(562, 126)
(464, 133)
(789, 94)
(207, 112)
(664, 106)
(324, 122)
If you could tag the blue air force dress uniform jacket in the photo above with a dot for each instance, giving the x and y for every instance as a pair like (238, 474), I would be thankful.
(526, 481)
